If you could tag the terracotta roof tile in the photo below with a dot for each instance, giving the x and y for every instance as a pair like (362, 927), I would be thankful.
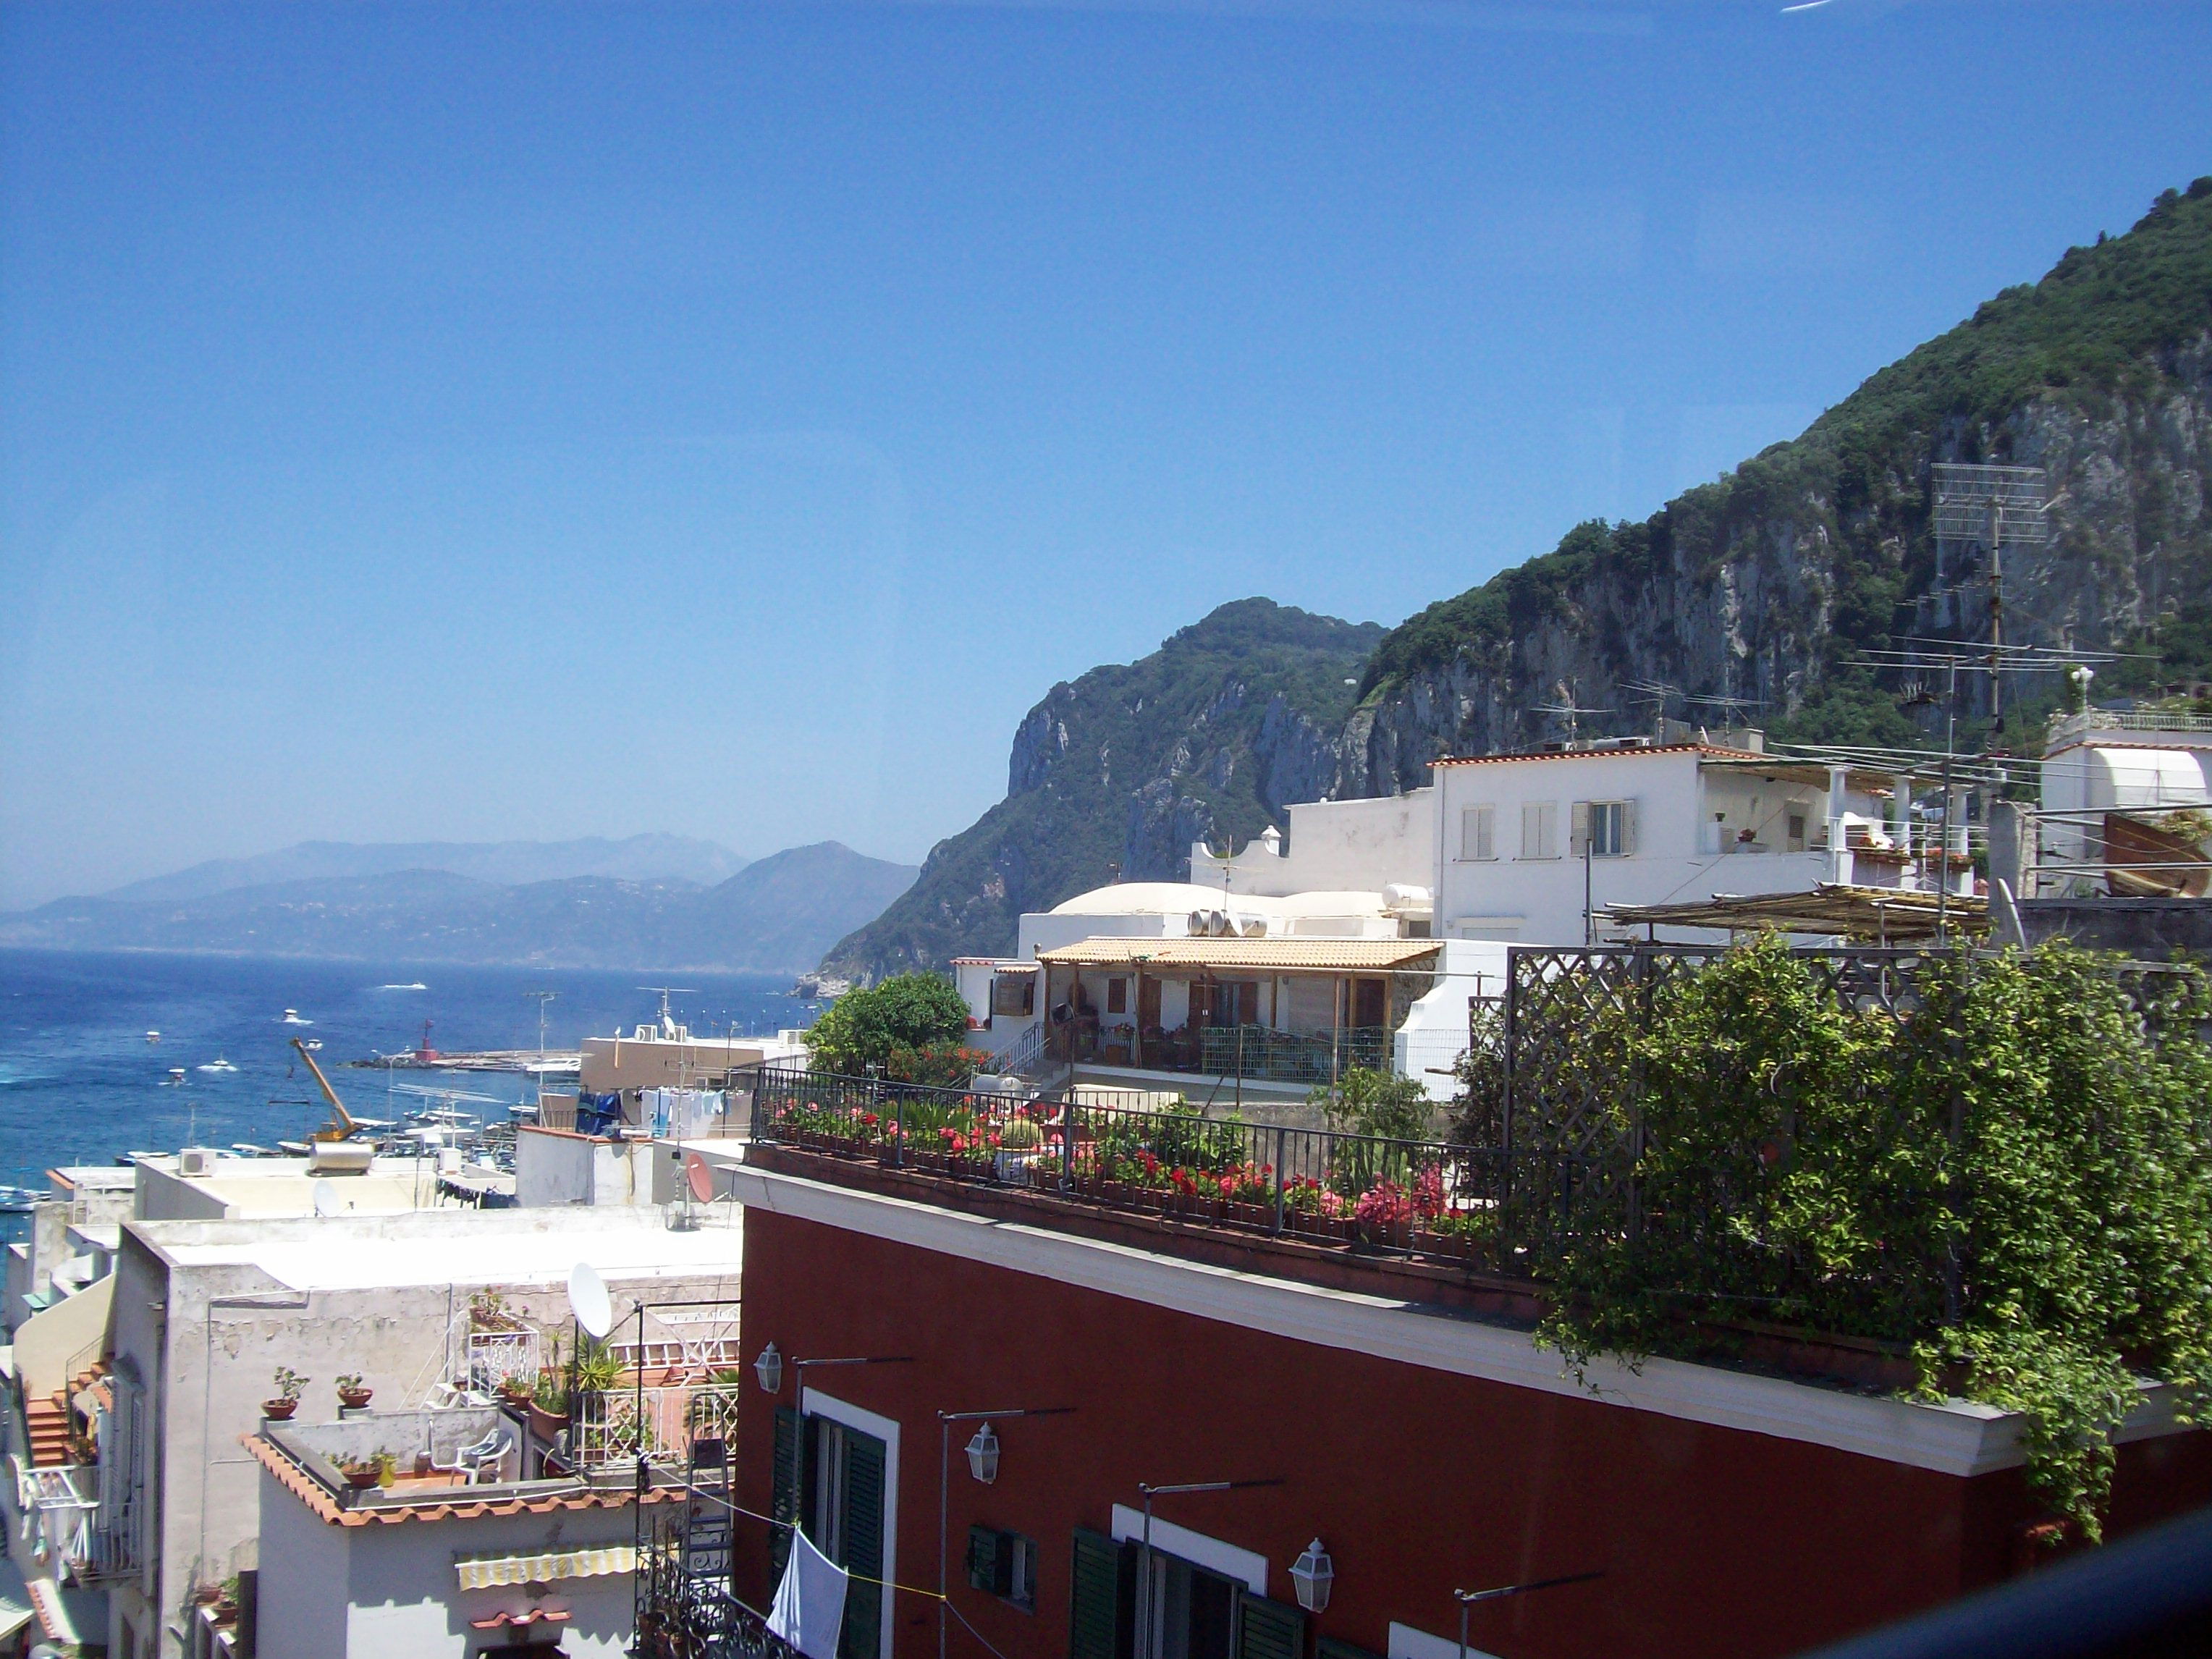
(312, 1492)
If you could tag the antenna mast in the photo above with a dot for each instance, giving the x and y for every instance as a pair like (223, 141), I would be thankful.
(1991, 507)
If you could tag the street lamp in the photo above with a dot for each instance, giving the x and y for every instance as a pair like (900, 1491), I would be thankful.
(983, 1455)
(1148, 1642)
(983, 1463)
(768, 1367)
(1311, 1574)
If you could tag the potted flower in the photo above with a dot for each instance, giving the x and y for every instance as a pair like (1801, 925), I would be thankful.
(548, 1402)
(364, 1473)
(487, 1312)
(515, 1388)
(289, 1383)
(1016, 1158)
(351, 1394)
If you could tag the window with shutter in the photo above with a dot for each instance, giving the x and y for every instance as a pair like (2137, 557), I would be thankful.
(783, 1501)
(862, 1535)
(1540, 831)
(1270, 1630)
(1478, 835)
(1102, 1598)
(986, 1561)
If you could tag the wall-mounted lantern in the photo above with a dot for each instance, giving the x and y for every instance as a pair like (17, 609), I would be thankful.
(768, 1367)
(983, 1455)
(1311, 1574)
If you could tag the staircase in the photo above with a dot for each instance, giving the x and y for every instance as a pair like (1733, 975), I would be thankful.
(46, 1422)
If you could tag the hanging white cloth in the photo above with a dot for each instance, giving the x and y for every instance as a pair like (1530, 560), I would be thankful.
(809, 1602)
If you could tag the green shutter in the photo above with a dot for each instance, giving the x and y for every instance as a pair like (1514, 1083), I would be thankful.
(783, 1500)
(862, 1636)
(987, 1568)
(1270, 1630)
(1101, 1600)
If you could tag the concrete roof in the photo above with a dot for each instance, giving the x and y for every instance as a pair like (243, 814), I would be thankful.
(1353, 955)
(451, 1246)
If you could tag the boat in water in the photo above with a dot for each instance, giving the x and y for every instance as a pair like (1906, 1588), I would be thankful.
(176, 1075)
(218, 1064)
(312, 1042)
(292, 1018)
(152, 1036)
(417, 986)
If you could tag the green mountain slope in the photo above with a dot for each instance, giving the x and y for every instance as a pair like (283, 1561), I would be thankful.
(1768, 585)
(1116, 774)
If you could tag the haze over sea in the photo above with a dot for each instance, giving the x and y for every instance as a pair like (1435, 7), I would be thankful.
(79, 1084)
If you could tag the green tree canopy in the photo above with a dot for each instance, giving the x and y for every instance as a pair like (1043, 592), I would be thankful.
(906, 1014)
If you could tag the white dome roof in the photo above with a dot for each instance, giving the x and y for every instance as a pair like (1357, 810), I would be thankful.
(1164, 899)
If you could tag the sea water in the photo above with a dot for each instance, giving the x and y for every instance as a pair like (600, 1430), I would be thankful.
(80, 1083)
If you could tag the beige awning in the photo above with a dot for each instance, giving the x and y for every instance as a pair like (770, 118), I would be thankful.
(544, 1566)
(1258, 955)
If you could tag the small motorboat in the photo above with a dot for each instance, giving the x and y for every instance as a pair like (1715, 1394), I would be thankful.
(176, 1075)
(313, 1042)
(152, 1036)
(292, 1018)
(416, 985)
(218, 1064)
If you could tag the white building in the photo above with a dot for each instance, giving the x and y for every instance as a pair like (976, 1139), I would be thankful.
(461, 1559)
(204, 1312)
(2123, 799)
(1529, 848)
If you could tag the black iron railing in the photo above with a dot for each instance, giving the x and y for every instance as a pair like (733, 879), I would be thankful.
(1488, 1207)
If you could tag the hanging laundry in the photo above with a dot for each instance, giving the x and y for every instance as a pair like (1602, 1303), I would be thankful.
(809, 1608)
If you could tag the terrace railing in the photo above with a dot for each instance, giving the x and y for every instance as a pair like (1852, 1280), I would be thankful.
(1255, 1051)
(663, 1422)
(1489, 1207)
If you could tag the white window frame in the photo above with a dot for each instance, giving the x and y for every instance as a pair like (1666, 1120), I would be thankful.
(813, 1403)
(1244, 1567)
(1542, 816)
(1618, 813)
(1478, 834)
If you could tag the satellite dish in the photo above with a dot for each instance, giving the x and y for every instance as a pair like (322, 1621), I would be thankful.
(327, 1201)
(587, 1299)
(700, 1174)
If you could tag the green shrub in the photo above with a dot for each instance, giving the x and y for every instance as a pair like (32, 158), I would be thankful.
(2014, 1178)
(911, 1013)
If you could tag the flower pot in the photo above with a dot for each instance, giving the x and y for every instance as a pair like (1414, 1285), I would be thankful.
(546, 1425)
(207, 1595)
(279, 1411)
(361, 1480)
(355, 1399)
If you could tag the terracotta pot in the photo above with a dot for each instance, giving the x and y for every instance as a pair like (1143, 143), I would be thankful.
(277, 1410)
(206, 1594)
(544, 1424)
(354, 1399)
(363, 1479)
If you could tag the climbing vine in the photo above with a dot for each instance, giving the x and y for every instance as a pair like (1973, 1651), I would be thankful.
(2013, 1177)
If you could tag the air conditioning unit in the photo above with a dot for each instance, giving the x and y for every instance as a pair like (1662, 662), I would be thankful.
(195, 1161)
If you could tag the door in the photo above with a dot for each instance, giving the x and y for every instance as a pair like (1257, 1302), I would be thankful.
(829, 1479)
(1370, 1002)
(844, 1515)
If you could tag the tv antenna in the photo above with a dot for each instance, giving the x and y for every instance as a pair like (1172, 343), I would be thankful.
(544, 997)
(1655, 693)
(667, 1019)
(1990, 508)
(1568, 709)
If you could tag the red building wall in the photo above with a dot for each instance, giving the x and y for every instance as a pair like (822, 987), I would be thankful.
(1715, 1541)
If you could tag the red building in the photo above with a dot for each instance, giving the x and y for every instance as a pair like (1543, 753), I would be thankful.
(1399, 1410)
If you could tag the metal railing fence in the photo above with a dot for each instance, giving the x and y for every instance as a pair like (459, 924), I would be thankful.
(1495, 1208)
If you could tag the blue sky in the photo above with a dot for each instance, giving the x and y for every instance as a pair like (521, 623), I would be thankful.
(478, 422)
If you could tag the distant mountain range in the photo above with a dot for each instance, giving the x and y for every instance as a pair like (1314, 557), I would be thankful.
(776, 915)
(509, 863)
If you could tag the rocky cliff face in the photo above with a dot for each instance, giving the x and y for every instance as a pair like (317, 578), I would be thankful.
(1114, 774)
(1758, 595)
(1755, 597)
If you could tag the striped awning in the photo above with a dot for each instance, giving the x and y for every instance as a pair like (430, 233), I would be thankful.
(544, 1566)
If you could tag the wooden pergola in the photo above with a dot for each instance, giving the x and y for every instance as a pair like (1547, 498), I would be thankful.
(1878, 915)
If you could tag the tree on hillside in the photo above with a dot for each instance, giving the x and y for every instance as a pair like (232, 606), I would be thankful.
(909, 1014)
